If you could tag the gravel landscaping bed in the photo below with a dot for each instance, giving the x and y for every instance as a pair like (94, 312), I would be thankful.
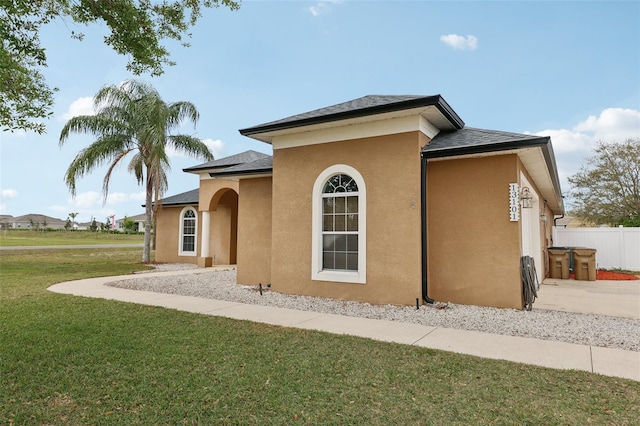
(586, 329)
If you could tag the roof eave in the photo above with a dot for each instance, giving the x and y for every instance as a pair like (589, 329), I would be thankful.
(479, 149)
(242, 173)
(435, 100)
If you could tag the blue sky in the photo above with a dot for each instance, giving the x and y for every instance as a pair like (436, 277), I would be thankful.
(569, 70)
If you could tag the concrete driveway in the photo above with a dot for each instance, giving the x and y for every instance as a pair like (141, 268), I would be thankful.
(613, 298)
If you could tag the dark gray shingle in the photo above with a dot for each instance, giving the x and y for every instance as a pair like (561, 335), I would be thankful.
(189, 197)
(471, 140)
(243, 157)
(261, 166)
(367, 105)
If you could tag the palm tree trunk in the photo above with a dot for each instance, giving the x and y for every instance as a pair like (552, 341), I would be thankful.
(146, 251)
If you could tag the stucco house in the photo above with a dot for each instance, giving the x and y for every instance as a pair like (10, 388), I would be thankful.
(138, 223)
(33, 221)
(383, 199)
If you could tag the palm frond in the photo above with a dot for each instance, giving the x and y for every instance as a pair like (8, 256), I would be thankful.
(190, 146)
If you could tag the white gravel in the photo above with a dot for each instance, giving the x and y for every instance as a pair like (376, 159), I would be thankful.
(586, 329)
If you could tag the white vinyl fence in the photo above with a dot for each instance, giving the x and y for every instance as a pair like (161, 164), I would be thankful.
(616, 247)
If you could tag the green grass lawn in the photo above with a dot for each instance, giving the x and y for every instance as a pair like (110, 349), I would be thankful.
(14, 237)
(77, 361)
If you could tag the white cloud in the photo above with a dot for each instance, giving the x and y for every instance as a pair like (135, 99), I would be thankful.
(322, 8)
(139, 196)
(565, 141)
(8, 193)
(81, 106)
(613, 124)
(216, 147)
(319, 9)
(459, 42)
(573, 146)
(90, 199)
(86, 200)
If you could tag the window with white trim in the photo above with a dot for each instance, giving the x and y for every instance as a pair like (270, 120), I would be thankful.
(188, 231)
(339, 224)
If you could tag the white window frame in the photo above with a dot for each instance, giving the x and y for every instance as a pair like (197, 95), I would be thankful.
(317, 273)
(181, 252)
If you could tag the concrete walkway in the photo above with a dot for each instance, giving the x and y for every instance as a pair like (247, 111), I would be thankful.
(606, 361)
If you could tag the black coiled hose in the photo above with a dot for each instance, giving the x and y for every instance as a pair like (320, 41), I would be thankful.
(530, 284)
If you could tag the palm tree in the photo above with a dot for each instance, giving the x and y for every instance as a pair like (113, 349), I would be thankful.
(132, 118)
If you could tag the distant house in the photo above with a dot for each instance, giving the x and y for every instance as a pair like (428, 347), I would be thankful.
(139, 221)
(572, 222)
(382, 199)
(33, 221)
(5, 220)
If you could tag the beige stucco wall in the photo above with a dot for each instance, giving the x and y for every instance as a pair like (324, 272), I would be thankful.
(390, 167)
(254, 231)
(473, 248)
(168, 235)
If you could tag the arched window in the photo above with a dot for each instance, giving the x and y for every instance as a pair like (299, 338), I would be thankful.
(188, 232)
(339, 225)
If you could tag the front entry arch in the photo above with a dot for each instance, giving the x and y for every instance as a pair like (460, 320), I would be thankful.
(220, 229)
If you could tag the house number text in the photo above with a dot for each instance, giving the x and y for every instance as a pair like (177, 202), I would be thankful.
(514, 202)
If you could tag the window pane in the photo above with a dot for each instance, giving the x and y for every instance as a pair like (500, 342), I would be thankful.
(328, 204)
(328, 242)
(327, 223)
(352, 261)
(340, 204)
(340, 183)
(350, 184)
(341, 222)
(327, 260)
(341, 260)
(188, 243)
(352, 204)
(352, 242)
(341, 243)
(352, 222)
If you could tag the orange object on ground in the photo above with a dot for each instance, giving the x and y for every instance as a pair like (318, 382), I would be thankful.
(617, 276)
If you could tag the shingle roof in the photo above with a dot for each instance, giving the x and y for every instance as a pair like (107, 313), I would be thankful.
(478, 141)
(261, 166)
(472, 141)
(243, 157)
(367, 105)
(36, 217)
(189, 197)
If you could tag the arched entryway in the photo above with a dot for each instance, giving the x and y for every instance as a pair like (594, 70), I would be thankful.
(220, 229)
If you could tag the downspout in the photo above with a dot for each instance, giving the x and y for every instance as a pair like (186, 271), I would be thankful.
(556, 218)
(423, 227)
